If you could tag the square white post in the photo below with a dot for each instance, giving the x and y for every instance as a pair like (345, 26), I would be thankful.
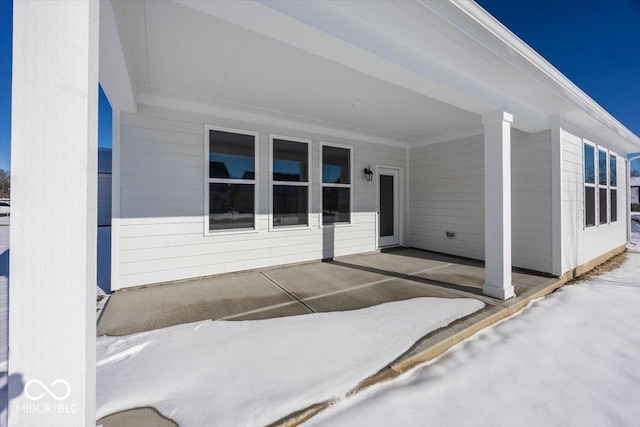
(497, 204)
(52, 295)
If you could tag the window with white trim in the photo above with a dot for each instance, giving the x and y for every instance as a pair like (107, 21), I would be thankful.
(231, 179)
(603, 182)
(613, 187)
(336, 184)
(290, 182)
(589, 184)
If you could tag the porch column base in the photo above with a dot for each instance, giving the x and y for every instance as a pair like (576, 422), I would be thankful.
(498, 292)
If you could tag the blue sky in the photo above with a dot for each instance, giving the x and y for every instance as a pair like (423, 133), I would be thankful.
(596, 43)
(5, 82)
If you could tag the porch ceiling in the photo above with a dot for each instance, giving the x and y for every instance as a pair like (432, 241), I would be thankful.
(174, 51)
(399, 72)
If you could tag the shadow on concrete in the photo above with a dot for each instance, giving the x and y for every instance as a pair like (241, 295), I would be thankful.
(425, 281)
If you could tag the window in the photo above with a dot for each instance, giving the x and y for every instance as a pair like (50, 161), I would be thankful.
(290, 182)
(589, 185)
(231, 179)
(603, 178)
(336, 184)
(613, 184)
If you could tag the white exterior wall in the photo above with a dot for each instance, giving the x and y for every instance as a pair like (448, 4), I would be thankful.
(447, 194)
(161, 228)
(531, 200)
(580, 244)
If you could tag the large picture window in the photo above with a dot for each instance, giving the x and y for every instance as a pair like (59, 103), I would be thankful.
(290, 182)
(613, 184)
(336, 184)
(603, 178)
(589, 185)
(231, 179)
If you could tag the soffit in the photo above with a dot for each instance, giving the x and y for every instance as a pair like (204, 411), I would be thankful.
(407, 71)
(178, 52)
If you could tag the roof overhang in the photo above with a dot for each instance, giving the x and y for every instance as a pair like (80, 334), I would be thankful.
(445, 53)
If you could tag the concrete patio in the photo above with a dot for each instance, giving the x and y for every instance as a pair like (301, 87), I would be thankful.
(345, 283)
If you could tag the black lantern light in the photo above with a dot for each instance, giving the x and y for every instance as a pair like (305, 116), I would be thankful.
(368, 174)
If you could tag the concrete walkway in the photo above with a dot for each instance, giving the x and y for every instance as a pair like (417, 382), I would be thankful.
(346, 283)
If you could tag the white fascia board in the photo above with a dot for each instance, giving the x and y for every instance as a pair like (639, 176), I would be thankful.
(114, 75)
(260, 119)
(510, 43)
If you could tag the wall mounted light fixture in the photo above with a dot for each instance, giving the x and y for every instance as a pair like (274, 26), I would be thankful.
(368, 174)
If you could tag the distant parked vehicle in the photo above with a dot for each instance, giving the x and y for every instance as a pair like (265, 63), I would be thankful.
(5, 207)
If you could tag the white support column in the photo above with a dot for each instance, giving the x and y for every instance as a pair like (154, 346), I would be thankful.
(497, 204)
(52, 296)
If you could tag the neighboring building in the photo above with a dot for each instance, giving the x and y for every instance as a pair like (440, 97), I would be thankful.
(242, 142)
(104, 187)
(634, 188)
(103, 266)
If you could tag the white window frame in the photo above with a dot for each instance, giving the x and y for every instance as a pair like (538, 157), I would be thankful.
(601, 186)
(612, 155)
(585, 184)
(273, 182)
(207, 181)
(322, 184)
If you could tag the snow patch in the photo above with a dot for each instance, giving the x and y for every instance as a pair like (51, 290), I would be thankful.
(123, 355)
(256, 372)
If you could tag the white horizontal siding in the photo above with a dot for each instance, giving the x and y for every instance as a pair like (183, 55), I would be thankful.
(531, 213)
(162, 205)
(579, 243)
(447, 194)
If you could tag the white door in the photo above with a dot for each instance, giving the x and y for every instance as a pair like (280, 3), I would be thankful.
(388, 206)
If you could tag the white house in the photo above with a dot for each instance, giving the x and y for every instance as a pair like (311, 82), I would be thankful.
(242, 132)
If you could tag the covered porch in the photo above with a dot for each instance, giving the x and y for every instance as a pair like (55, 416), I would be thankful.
(177, 71)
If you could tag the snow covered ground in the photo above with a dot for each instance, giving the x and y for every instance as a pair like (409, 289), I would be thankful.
(256, 372)
(570, 359)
